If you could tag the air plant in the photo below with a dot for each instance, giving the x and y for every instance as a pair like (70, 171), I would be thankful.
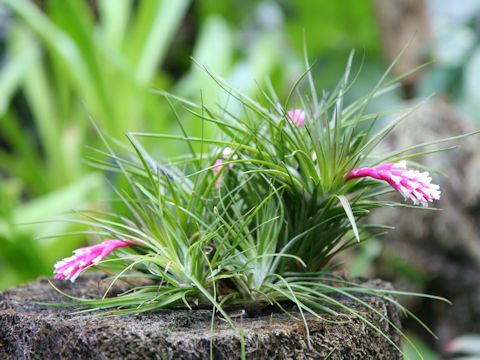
(256, 215)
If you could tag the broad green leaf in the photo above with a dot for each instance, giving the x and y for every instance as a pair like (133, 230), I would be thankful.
(114, 20)
(154, 42)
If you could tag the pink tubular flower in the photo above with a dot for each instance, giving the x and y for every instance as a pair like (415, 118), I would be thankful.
(410, 183)
(70, 268)
(296, 116)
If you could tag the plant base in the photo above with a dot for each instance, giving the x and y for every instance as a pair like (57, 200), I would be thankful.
(32, 331)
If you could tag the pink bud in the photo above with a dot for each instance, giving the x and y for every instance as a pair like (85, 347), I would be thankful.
(410, 183)
(70, 268)
(296, 116)
(218, 166)
(218, 163)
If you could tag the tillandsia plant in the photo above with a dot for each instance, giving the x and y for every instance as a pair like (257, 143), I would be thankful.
(256, 215)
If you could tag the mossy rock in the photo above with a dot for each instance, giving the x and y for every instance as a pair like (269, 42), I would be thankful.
(29, 330)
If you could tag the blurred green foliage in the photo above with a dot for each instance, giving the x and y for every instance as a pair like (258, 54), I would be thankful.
(456, 52)
(57, 58)
(63, 60)
(416, 347)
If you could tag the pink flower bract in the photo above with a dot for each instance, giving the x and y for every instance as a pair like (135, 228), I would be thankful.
(70, 268)
(410, 183)
(296, 116)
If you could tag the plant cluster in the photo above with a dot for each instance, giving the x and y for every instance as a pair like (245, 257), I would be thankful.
(256, 215)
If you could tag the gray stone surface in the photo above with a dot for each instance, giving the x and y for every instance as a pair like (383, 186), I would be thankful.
(32, 331)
